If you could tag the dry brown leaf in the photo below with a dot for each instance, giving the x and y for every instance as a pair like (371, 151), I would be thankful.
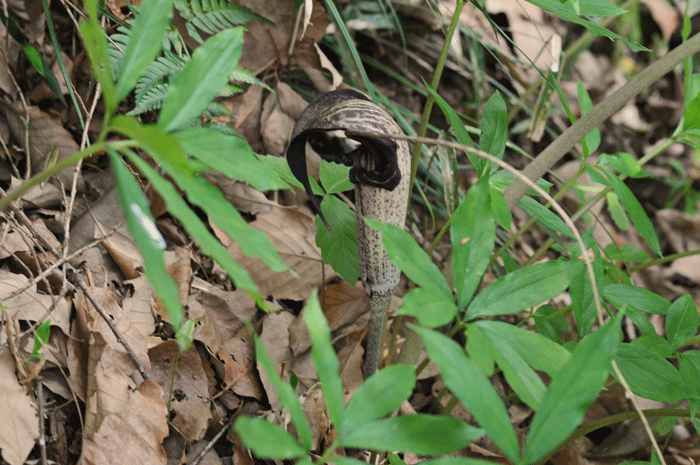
(138, 305)
(275, 339)
(122, 248)
(342, 304)
(19, 423)
(681, 230)
(133, 435)
(293, 234)
(317, 415)
(350, 364)
(177, 264)
(190, 401)
(31, 305)
(242, 196)
(45, 134)
(227, 339)
(109, 366)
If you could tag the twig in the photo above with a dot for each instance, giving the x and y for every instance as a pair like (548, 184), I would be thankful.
(213, 441)
(77, 280)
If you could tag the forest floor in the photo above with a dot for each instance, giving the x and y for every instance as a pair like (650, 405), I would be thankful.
(93, 402)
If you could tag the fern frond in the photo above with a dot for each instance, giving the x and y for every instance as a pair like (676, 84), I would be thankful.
(152, 100)
(212, 16)
(117, 49)
(157, 72)
(241, 74)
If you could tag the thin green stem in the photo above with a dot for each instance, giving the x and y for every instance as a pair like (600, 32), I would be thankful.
(662, 260)
(434, 84)
(46, 174)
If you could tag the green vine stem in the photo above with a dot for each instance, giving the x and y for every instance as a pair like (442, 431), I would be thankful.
(605, 109)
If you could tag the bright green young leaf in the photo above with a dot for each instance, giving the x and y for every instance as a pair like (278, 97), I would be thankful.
(196, 228)
(145, 42)
(572, 391)
(288, 398)
(405, 253)
(418, 433)
(41, 337)
(626, 253)
(325, 359)
(202, 78)
(231, 156)
(635, 211)
(682, 321)
(469, 384)
(524, 288)
(649, 375)
(624, 163)
(537, 350)
(431, 307)
(494, 126)
(44, 69)
(148, 239)
(691, 116)
(335, 177)
(185, 335)
(592, 139)
(340, 248)
(95, 43)
(268, 441)
(617, 211)
(379, 395)
(545, 216)
(637, 297)
(473, 234)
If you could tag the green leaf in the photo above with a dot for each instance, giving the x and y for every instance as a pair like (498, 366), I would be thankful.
(340, 460)
(458, 127)
(524, 288)
(520, 376)
(626, 253)
(335, 177)
(494, 126)
(572, 391)
(691, 116)
(231, 156)
(325, 359)
(405, 253)
(624, 163)
(44, 69)
(41, 337)
(147, 237)
(431, 307)
(95, 43)
(545, 216)
(419, 434)
(617, 211)
(201, 79)
(500, 209)
(196, 228)
(537, 350)
(636, 297)
(288, 398)
(152, 138)
(209, 198)
(581, 291)
(145, 42)
(378, 396)
(473, 234)
(635, 211)
(455, 461)
(340, 249)
(690, 371)
(682, 321)
(471, 386)
(480, 350)
(654, 343)
(649, 375)
(266, 440)
(592, 139)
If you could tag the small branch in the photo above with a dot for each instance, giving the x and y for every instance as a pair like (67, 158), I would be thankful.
(79, 282)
